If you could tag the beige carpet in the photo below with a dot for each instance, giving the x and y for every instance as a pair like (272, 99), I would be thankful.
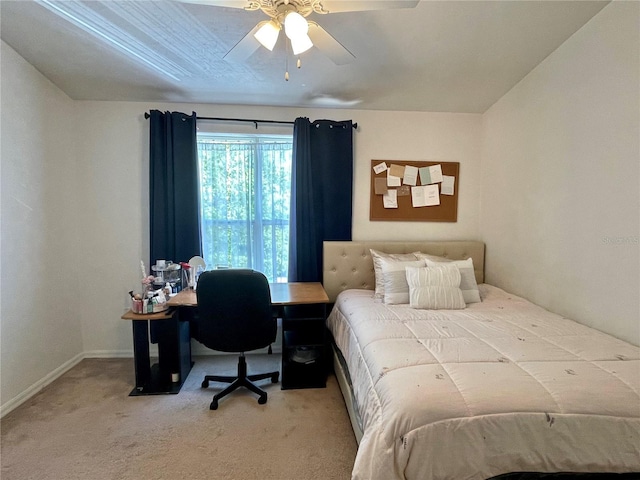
(85, 426)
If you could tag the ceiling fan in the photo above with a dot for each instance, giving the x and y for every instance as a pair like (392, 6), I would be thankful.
(302, 34)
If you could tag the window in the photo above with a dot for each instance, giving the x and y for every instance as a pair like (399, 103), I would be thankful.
(245, 185)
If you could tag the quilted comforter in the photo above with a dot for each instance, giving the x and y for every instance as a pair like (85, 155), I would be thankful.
(501, 386)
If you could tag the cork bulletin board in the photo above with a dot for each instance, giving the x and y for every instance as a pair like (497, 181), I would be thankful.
(405, 210)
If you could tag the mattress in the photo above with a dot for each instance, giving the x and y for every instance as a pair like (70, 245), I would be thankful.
(501, 386)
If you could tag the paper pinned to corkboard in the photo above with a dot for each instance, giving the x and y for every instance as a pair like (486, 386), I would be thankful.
(443, 175)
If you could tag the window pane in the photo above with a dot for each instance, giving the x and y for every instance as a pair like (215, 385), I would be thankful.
(245, 192)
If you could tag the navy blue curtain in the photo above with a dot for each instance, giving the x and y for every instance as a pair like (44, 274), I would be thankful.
(321, 193)
(173, 187)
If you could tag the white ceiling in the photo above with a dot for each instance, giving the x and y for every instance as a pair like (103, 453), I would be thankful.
(447, 56)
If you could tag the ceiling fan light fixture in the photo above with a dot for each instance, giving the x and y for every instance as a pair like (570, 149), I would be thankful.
(267, 34)
(295, 25)
(301, 44)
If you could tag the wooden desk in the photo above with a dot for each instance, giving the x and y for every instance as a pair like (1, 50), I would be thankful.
(170, 330)
(302, 307)
(282, 294)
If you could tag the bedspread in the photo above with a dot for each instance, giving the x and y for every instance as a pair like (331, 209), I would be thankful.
(501, 386)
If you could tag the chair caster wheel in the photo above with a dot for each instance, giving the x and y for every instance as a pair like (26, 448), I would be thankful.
(205, 384)
(274, 377)
(214, 405)
(263, 399)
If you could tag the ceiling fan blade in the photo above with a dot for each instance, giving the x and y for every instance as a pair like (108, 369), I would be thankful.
(244, 48)
(329, 45)
(221, 3)
(337, 6)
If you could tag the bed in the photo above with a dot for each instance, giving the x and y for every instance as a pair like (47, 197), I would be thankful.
(499, 389)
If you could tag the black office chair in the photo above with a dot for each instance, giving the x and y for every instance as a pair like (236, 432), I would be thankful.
(235, 315)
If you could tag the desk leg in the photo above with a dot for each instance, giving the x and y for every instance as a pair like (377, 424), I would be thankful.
(174, 347)
(141, 354)
(174, 355)
(184, 334)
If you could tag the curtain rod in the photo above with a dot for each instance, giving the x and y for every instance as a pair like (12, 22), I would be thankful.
(248, 120)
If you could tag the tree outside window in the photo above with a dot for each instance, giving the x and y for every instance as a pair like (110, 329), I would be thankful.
(245, 189)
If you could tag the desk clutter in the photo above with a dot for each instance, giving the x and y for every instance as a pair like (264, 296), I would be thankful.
(166, 274)
(152, 302)
(167, 280)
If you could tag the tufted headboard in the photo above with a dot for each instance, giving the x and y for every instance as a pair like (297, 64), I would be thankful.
(349, 264)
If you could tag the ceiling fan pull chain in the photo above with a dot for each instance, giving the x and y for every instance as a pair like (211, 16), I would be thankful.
(286, 61)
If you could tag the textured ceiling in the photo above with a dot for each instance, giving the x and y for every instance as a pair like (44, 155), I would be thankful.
(452, 56)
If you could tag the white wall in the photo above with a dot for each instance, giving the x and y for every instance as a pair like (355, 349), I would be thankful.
(114, 187)
(114, 193)
(445, 137)
(560, 178)
(39, 318)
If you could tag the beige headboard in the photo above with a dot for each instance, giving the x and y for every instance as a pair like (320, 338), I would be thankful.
(349, 264)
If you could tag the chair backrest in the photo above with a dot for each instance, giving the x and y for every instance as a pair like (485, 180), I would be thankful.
(234, 310)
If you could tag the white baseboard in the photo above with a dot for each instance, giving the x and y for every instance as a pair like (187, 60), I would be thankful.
(109, 354)
(39, 385)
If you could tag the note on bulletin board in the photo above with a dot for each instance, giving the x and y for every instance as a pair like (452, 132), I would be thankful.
(419, 191)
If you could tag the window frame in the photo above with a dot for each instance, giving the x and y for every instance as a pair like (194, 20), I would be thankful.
(255, 245)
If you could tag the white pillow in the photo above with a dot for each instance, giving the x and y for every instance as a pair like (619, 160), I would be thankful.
(396, 288)
(434, 258)
(377, 257)
(436, 288)
(468, 283)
